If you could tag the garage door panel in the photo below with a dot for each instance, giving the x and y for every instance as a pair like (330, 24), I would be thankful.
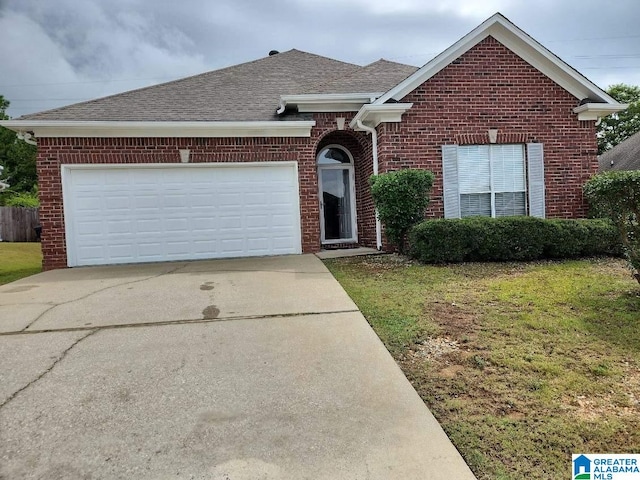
(204, 199)
(151, 213)
(116, 177)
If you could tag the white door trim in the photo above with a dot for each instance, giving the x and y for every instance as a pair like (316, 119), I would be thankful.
(352, 191)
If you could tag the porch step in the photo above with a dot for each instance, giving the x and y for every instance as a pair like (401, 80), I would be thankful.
(347, 252)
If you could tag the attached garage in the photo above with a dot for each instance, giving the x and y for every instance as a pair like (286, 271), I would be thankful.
(162, 212)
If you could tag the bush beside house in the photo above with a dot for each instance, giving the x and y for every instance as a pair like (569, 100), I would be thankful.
(616, 195)
(510, 239)
(401, 198)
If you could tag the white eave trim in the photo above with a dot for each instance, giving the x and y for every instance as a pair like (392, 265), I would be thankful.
(108, 129)
(327, 102)
(374, 115)
(518, 42)
(593, 111)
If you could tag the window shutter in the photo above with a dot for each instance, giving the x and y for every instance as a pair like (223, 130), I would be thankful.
(535, 169)
(451, 195)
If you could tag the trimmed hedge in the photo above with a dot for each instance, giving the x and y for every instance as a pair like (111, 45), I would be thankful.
(477, 239)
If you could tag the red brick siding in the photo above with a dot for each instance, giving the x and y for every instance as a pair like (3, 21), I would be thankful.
(487, 87)
(491, 87)
(54, 152)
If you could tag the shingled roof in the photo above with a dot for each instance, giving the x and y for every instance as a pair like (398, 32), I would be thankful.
(378, 76)
(624, 156)
(245, 92)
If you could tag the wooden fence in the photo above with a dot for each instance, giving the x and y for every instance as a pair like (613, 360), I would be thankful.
(17, 224)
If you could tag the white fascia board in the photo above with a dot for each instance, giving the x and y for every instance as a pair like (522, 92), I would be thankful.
(108, 129)
(328, 107)
(518, 42)
(593, 111)
(374, 115)
(328, 102)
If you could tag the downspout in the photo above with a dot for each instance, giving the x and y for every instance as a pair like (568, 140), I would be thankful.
(374, 148)
(27, 137)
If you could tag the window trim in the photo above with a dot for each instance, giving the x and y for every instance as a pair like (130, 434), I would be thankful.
(534, 180)
(492, 187)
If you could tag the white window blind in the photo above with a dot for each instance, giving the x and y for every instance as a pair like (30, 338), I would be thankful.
(491, 180)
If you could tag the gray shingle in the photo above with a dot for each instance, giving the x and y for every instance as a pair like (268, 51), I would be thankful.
(249, 91)
(624, 156)
(378, 76)
(246, 92)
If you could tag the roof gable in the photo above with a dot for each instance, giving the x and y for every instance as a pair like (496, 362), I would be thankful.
(518, 42)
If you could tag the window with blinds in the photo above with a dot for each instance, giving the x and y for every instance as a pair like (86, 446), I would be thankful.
(491, 180)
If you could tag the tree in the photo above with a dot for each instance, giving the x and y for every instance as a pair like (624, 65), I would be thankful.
(616, 195)
(401, 199)
(18, 159)
(4, 104)
(617, 127)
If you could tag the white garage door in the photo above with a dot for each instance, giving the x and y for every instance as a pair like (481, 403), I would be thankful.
(150, 213)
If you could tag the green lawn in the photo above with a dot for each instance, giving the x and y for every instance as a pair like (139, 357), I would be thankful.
(18, 260)
(523, 364)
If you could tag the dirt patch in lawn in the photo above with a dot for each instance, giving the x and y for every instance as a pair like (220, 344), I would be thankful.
(621, 402)
(455, 320)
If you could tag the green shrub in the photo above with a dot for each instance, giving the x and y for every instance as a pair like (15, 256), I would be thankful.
(510, 239)
(401, 199)
(22, 199)
(616, 195)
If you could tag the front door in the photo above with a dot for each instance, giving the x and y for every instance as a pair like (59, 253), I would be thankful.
(337, 196)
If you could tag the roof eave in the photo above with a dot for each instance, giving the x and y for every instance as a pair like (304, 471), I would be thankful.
(593, 111)
(327, 102)
(110, 129)
(374, 115)
(517, 41)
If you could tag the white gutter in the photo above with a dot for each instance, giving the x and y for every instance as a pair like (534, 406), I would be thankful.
(374, 148)
(374, 114)
(110, 129)
(594, 111)
(326, 102)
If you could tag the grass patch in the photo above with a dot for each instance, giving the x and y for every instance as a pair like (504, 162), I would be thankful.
(18, 260)
(542, 359)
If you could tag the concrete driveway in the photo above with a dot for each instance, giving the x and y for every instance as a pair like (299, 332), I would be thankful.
(226, 369)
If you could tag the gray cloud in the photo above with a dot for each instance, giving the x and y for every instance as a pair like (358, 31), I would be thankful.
(56, 53)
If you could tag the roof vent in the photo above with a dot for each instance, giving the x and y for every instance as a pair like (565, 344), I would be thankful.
(273, 52)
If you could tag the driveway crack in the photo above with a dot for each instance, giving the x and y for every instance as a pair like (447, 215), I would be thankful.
(55, 362)
(174, 270)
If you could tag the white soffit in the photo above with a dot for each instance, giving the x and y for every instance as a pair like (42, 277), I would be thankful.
(52, 128)
(518, 42)
(374, 115)
(327, 102)
(593, 111)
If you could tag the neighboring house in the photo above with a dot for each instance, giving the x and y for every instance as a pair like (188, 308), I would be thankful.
(624, 156)
(274, 156)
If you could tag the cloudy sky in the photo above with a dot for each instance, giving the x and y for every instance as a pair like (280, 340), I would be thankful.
(55, 53)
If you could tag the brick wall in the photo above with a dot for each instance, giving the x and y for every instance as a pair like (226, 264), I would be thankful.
(488, 87)
(491, 87)
(54, 152)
